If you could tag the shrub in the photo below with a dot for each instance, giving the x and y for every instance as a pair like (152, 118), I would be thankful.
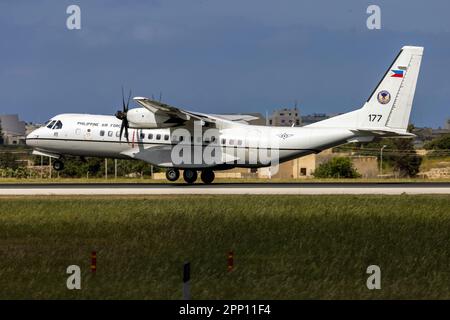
(338, 167)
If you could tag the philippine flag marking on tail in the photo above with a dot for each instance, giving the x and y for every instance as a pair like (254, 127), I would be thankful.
(397, 74)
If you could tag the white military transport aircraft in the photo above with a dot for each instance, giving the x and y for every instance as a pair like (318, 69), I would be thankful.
(161, 134)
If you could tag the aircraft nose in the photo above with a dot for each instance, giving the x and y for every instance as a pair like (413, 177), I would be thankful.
(30, 139)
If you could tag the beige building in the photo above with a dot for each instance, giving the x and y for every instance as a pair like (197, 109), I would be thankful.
(304, 167)
(285, 117)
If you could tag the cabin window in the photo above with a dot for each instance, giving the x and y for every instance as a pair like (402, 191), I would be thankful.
(58, 125)
(78, 131)
(50, 125)
(150, 136)
(102, 133)
(55, 134)
(231, 142)
(158, 137)
(239, 142)
(110, 133)
(117, 134)
(166, 137)
(224, 141)
(88, 130)
(142, 135)
(181, 138)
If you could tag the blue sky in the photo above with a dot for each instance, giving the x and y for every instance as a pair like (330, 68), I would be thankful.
(217, 56)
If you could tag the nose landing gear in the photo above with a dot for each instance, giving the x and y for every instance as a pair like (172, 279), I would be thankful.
(58, 165)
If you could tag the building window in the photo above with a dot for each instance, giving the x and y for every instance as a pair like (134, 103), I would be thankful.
(303, 171)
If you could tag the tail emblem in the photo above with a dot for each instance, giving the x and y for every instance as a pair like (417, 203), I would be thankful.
(384, 97)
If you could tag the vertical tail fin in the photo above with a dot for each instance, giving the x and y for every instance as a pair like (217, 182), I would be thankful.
(389, 105)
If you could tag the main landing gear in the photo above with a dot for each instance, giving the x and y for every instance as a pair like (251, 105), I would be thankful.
(190, 175)
(172, 174)
(58, 165)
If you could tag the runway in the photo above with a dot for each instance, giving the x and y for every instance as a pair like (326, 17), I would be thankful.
(225, 188)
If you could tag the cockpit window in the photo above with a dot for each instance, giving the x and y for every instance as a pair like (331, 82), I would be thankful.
(50, 125)
(58, 125)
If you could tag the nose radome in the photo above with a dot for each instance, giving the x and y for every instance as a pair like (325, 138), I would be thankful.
(29, 138)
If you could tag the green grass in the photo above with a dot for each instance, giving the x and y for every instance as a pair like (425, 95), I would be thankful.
(286, 247)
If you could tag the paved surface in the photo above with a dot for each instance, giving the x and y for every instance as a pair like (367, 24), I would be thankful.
(225, 188)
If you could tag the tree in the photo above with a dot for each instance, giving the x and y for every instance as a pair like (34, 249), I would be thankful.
(440, 146)
(405, 161)
(399, 153)
(1, 134)
(9, 160)
(338, 167)
(440, 143)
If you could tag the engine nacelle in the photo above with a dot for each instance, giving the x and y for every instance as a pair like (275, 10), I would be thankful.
(141, 118)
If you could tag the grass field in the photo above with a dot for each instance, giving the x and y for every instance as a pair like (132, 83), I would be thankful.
(286, 247)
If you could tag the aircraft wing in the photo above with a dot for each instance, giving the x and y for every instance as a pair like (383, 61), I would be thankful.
(184, 115)
(171, 111)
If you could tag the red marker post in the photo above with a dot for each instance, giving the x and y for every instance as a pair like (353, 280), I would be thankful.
(93, 261)
(230, 261)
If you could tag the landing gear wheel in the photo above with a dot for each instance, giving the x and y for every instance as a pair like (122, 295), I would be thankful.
(58, 165)
(172, 174)
(207, 176)
(190, 175)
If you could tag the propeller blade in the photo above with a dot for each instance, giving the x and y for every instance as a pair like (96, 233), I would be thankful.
(128, 102)
(121, 131)
(126, 130)
(123, 101)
